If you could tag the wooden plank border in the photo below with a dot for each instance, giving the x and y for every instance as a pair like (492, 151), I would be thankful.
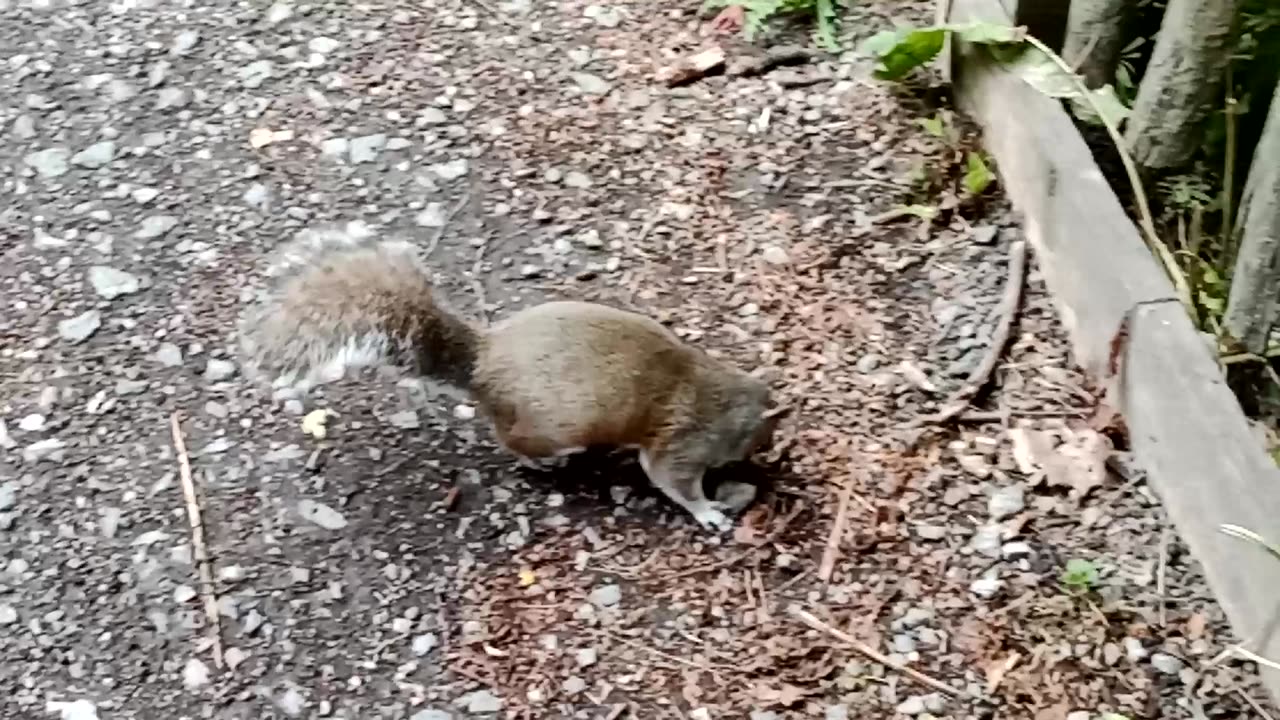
(1185, 426)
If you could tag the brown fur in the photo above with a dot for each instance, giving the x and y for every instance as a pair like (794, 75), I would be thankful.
(552, 378)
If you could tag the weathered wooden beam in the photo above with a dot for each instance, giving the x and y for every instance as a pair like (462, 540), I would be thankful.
(1185, 426)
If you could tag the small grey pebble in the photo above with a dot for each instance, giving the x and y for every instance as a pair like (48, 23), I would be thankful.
(1166, 664)
(483, 701)
(365, 149)
(155, 226)
(1006, 501)
(184, 42)
(1133, 649)
(169, 355)
(591, 84)
(96, 155)
(575, 179)
(868, 363)
(111, 283)
(50, 162)
(216, 370)
(256, 73)
(321, 514)
(913, 705)
(405, 420)
(606, 596)
(78, 329)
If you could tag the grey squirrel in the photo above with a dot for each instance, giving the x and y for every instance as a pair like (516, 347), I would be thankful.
(554, 379)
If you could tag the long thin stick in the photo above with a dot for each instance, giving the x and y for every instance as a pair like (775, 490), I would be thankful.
(1008, 310)
(838, 527)
(812, 621)
(1161, 572)
(457, 207)
(200, 552)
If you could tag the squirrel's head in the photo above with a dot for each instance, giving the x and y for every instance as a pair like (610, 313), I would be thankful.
(751, 416)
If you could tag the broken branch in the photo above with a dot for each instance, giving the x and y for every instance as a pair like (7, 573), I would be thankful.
(200, 552)
(812, 621)
(1008, 310)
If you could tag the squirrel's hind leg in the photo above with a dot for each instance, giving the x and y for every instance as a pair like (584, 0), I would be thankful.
(682, 482)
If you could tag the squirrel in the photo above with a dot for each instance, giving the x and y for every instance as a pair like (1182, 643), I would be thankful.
(553, 379)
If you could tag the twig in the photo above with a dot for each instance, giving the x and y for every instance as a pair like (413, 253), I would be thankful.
(457, 207)
(477, 285)
(1086, 51)
(1162, 569)
(981, 416)
(200, 553)
(1008, 310)
(1254, 657)
(712, 667)
(1262, 712)
(812, 621)
(494, 12)
(770, 59)
(838, 527)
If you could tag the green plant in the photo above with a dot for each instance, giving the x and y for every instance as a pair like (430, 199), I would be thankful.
(756, 13)
(977, 176)
(903, 49)
(1126, 74)
(1079, 576)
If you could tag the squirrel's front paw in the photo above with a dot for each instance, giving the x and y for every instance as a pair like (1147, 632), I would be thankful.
(712, 517)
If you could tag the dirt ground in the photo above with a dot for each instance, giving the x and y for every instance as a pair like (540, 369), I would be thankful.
(154, 152)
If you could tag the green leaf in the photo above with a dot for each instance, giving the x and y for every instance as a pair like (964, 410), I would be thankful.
(1042, 73)
(977, 176)
(1106, 100)
(904, 49)
(825, 32)
(924, 212)
(934, 126)
(984, 33)
(1080, 574)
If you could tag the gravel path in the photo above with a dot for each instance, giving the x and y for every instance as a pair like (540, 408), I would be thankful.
(153, 153)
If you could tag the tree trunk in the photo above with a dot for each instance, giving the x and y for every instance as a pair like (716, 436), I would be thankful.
(1255, 284)
(1095, 37)
(1183, 82)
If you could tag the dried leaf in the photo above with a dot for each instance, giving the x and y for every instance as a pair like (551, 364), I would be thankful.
(1196, 625)
(260, 137)
(998, 669)
(314, 422)
(790, 695)
(527, 577)
(916, 376)
(694, 67)
(1085, 459)
(1023, 450)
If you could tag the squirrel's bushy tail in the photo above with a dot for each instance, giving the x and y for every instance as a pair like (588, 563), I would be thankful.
(339, 299)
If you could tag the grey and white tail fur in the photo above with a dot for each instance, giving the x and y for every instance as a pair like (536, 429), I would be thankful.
(338, 299)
